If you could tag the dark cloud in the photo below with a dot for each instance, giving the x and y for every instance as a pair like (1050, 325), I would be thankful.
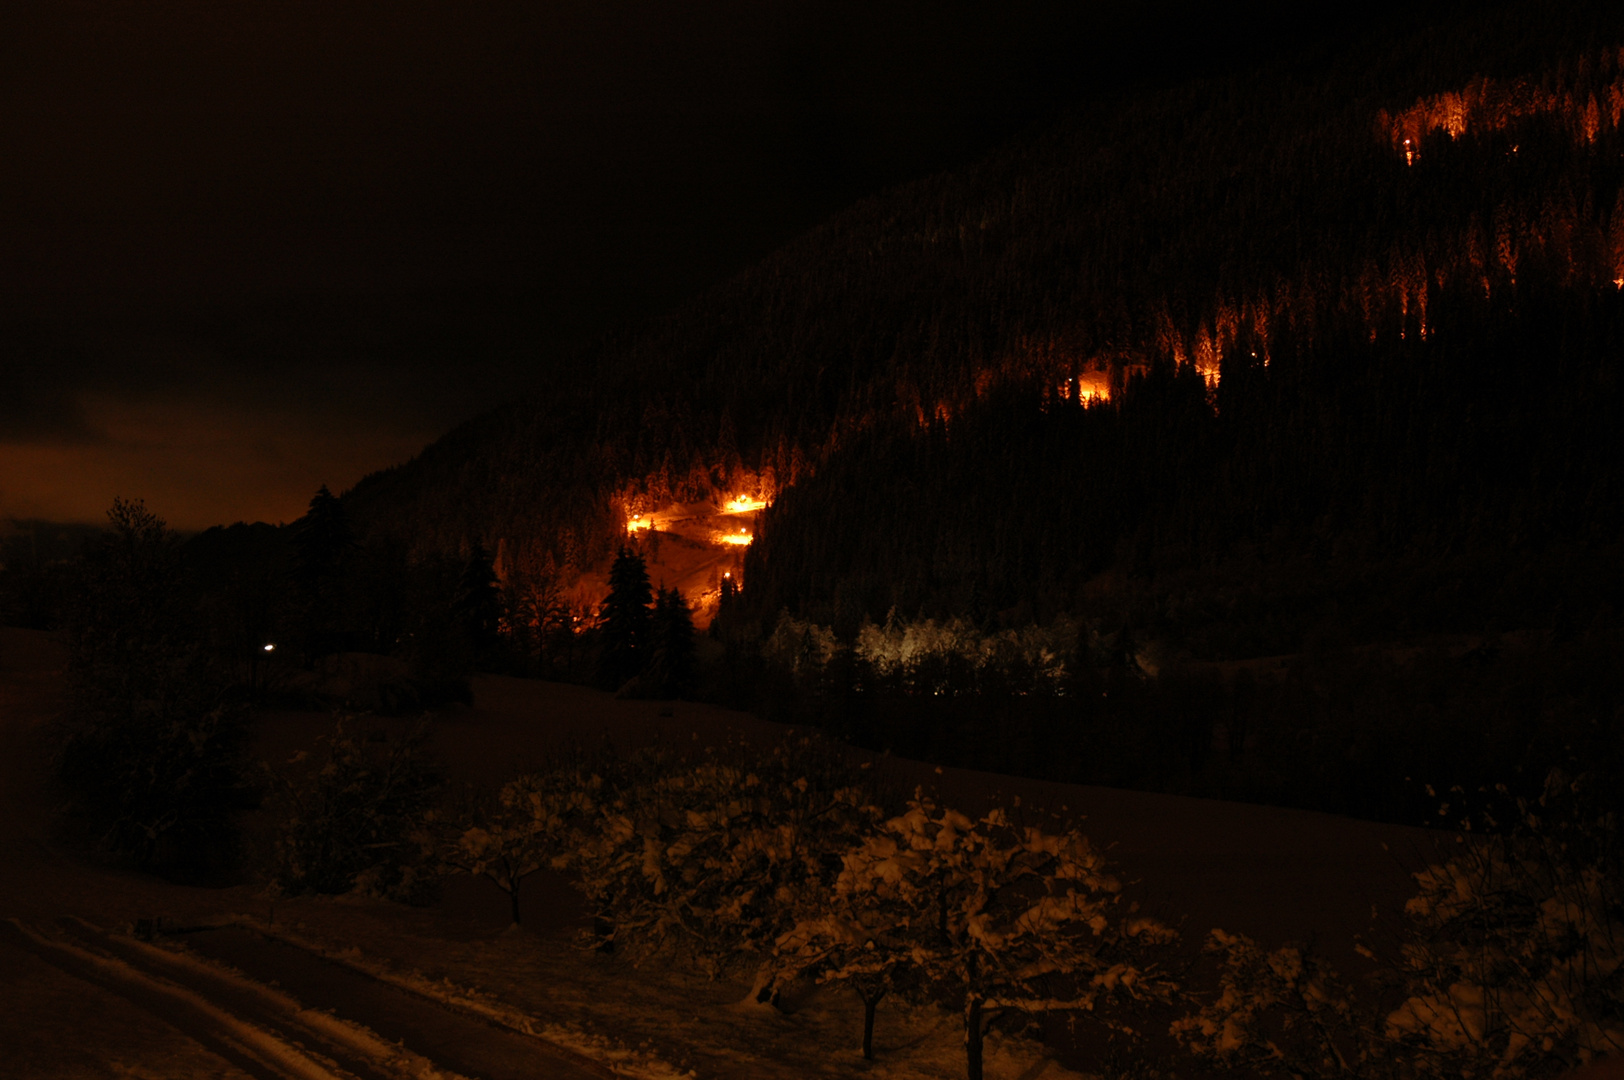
(40, 384)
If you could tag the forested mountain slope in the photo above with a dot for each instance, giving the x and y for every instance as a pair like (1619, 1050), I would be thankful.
(1342, 334)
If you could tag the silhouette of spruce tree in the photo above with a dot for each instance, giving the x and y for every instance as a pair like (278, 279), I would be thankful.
(728, 609)
(479, 607)
(322, 546)
(624, 624)
(670, 671)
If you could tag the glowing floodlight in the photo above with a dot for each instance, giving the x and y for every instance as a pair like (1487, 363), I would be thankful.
(270, 648)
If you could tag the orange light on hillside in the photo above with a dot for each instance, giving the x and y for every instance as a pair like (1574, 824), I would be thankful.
(740, 538)
(744, 504)
(1093, 388)
(640, 524)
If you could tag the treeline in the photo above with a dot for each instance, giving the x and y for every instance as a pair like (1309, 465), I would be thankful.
(1364, 730)
(171, 640)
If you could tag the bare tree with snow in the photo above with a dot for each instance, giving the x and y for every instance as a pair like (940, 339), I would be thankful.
(534, 822)
(715, 855)
(1013, 919)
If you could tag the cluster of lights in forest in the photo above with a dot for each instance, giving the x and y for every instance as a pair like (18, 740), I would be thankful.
(675, 516)
(1498, 104)
(1086, 392)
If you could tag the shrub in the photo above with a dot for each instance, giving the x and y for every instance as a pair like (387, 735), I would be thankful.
(1511, 965)
(714, 855)
(1515, 959)
(539, 820)
(362, 818)
(153, 754)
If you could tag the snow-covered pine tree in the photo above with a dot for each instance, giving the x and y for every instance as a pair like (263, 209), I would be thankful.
(670, 671)
(623, 622)
(480, 608)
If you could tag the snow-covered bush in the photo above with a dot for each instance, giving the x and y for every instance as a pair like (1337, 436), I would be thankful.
(905, 646)
(1515, 961)
(713, 855)
(800, 646)
(1009, 919)
(922, 650)
(539, 820)
(1280, 1012)
(152, 755)
(1512, 965)
(362, 818)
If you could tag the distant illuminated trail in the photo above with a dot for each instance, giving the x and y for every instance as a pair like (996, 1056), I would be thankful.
(744, 504)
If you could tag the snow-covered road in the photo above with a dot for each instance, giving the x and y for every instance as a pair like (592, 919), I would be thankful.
(471, 1046)
(276, 1012)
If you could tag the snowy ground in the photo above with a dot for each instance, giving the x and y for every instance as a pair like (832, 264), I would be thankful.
(1277, 875)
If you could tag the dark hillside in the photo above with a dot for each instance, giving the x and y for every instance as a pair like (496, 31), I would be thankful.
(1320, 356)
(1266, 209)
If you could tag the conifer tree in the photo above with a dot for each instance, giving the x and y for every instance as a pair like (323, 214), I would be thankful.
(671, 661)
(322, 544)
(624, 621)
(479, 606)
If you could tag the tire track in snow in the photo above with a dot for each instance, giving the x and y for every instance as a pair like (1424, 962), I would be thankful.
(256, 1052)
(353, 1048)
(476, 1046)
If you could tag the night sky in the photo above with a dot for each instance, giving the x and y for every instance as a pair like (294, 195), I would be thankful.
(250, 248)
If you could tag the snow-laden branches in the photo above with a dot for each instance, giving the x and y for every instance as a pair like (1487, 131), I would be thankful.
(535, 822)
(1281, 1012)
(363, 817)
(714, 855)
(1512, 965)
(1011, 918)
(1515, 966)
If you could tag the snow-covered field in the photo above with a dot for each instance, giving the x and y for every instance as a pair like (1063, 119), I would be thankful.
(1276, 875)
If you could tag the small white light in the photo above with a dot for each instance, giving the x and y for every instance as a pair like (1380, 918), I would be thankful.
(270, 648)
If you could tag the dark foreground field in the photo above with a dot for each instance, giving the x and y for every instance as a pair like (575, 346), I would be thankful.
(1278, 875)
